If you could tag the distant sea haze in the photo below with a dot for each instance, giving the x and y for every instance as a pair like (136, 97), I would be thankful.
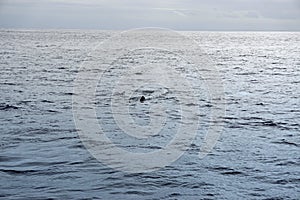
(256, 157)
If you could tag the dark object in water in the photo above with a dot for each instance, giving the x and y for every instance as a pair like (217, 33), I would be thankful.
(142, 99)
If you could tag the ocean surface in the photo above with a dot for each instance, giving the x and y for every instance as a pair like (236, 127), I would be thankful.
(257, 155)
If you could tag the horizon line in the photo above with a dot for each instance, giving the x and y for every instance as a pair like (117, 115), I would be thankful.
(124, 29)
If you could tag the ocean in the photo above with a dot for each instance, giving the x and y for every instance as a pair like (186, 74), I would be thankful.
(47, 102)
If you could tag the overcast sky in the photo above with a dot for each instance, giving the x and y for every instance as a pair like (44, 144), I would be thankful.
(175, 14)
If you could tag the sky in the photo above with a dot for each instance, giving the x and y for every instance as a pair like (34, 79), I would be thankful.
(220, 15)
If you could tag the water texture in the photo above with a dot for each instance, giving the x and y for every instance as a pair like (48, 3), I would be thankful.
(257, 156)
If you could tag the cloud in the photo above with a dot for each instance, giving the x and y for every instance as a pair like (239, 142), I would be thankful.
(177, 14)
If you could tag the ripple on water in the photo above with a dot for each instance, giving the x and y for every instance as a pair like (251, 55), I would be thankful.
(42, 156)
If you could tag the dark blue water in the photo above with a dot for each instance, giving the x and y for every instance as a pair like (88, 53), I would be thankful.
(257, 156)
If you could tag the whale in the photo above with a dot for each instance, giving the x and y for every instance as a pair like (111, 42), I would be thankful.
(142, 99)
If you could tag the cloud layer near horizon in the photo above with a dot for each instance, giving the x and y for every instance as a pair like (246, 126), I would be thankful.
(174, 14)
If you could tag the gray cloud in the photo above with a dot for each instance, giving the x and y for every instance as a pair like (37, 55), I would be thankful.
(176, 14)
